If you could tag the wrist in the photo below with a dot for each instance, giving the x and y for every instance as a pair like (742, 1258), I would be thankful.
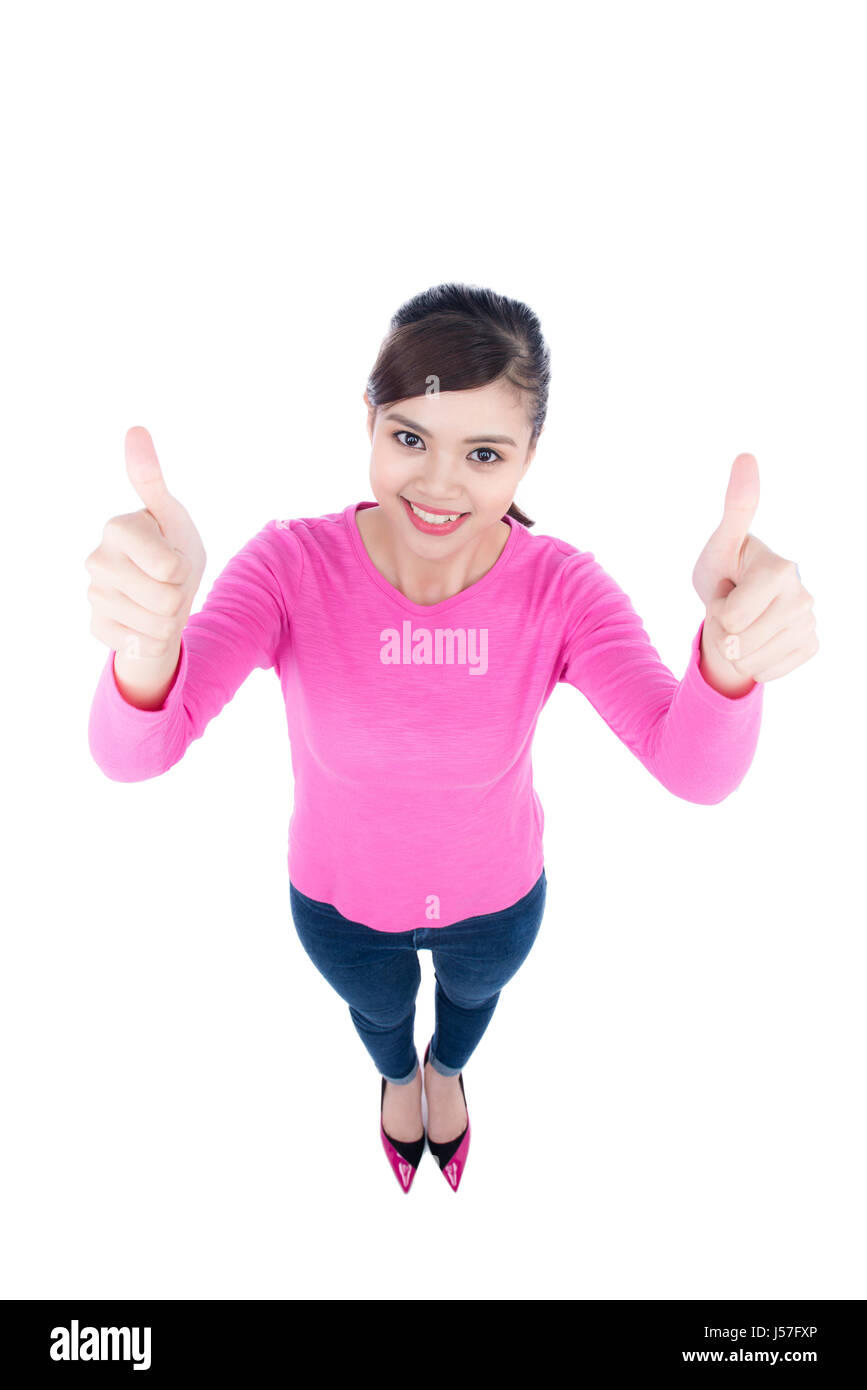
(716, 670)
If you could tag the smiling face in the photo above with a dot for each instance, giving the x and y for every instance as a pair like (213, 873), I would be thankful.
(452, 452)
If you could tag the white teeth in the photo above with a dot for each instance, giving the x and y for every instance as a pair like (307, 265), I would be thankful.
(428, 516)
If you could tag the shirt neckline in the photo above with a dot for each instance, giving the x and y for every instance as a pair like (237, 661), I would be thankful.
(422, 609)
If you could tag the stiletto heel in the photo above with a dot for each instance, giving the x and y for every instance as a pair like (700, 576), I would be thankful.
(403, 1155)
(452, 1156)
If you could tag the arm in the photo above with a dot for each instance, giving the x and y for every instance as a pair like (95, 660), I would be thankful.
(240, 627)
(696, 741)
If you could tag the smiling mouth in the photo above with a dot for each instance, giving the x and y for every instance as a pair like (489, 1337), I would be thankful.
(426, 512)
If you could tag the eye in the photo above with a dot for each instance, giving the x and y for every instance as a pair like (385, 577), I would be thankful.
(483, 463)
(398, 433)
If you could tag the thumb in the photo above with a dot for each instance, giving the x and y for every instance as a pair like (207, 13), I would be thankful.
(144, 472)
(741, 504)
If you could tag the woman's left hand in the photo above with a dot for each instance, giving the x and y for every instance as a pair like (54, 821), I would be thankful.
(759, 621)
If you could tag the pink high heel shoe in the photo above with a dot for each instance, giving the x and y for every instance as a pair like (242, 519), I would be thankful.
(452, 1156)
(404, 1156)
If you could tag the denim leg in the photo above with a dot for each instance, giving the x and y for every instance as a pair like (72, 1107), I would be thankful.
(473, 960)
(377, 974)
(458, 1029)
(386, 1040)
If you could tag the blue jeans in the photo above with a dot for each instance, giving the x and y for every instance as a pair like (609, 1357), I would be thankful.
(378, 974)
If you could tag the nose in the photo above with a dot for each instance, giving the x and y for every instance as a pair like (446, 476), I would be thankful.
(438, 488)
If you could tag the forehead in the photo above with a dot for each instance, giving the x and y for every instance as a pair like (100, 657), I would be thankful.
(496, 408)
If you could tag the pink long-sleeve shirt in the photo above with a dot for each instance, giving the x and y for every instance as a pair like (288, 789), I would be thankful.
(411, 725)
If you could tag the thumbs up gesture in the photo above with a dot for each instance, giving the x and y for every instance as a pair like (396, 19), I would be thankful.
(145, 573)
(759, 623)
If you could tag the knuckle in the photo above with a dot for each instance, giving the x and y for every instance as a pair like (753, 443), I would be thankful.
(168, 603)
(169, 569)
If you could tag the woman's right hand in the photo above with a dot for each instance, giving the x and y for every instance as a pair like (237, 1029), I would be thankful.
(145, 572)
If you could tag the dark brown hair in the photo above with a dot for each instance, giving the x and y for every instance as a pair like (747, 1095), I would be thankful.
(464, 337)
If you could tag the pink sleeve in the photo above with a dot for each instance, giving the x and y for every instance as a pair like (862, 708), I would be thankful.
(239, 628)
(697, 742)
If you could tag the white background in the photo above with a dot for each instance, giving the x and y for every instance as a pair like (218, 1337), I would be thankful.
(211, 212)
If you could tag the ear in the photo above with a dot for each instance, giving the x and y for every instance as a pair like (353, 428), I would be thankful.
(532, 452)
(371, 416)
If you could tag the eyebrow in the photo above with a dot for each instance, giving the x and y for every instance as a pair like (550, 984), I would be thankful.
(476, 439)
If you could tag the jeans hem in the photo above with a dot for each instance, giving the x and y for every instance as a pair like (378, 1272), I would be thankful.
(441, 1068)
(402, 1080)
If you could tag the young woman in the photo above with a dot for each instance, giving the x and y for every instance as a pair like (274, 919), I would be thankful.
(417, 639)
